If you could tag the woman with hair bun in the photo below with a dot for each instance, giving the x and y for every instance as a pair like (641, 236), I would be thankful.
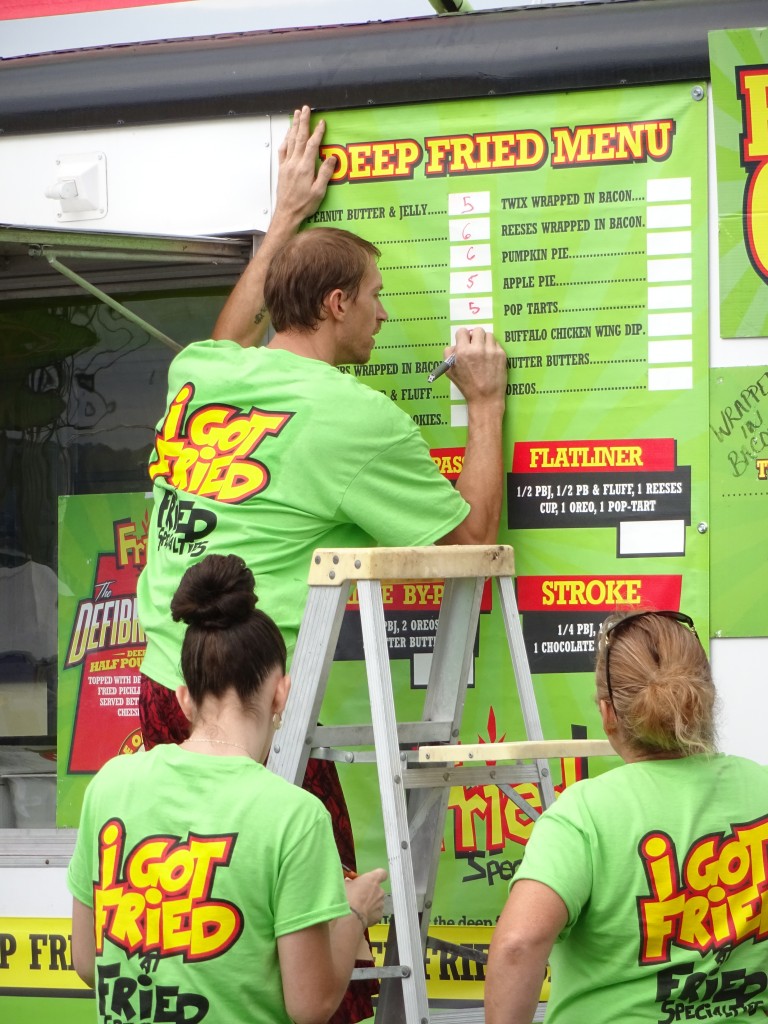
(648, 884)
(205, 887)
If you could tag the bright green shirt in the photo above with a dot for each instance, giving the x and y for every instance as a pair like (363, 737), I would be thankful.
(663, 868)
(194, 866)
(270, 455)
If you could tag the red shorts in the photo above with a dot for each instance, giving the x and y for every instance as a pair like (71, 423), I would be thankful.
(163, 721)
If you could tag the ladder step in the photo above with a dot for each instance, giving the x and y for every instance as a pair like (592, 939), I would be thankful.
(470, 1015)
(399, 971)
(408, 734)
(468, 775)
(515, 750)
(473, 1015)
(331, 568)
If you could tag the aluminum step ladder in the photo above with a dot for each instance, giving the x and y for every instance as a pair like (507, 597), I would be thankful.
(414, 774)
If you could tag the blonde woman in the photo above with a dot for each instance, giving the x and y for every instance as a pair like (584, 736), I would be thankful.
(648, 884)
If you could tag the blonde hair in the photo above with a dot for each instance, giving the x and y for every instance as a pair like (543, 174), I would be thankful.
(661, 683)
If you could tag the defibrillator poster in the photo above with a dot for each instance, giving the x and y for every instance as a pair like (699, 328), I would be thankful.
(102, 546)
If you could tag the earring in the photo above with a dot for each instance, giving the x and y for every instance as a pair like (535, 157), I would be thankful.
(277, 721)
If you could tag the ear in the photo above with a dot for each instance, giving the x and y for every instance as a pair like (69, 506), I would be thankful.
(280, 697)
(608, 716)
(336, 303)
(186, 703)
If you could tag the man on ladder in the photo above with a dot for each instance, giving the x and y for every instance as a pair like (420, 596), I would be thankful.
(306, 457)
(321, 461)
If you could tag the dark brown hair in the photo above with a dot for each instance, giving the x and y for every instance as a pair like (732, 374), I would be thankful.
(661, 683)
(229, 641)
(309, 267)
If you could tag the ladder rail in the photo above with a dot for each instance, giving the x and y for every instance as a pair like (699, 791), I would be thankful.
(402, 880)
(450, 669)
(524, 682)
(311, 665)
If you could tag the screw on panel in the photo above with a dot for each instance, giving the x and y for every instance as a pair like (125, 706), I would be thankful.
(697, 93)
(702, 527)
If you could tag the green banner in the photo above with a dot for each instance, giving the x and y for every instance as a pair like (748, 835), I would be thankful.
(739, 68)
(739, 487)
(575, 227)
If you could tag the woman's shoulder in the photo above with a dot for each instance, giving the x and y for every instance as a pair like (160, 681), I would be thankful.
(739, 766)
(684, 773)
(588, 792)
(136, 765)
(291, 795)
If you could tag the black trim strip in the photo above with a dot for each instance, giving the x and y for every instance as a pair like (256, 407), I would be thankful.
(48, 993)
(523, 50)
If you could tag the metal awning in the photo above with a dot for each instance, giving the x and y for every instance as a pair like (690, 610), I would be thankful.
(119, 263)
(36, 263)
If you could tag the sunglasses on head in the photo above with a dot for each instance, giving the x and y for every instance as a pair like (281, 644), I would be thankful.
(609, 634)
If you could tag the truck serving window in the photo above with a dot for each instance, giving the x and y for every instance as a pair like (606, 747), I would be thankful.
(81, 389)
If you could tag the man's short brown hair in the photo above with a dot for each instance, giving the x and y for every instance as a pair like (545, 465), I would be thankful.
(307, 268)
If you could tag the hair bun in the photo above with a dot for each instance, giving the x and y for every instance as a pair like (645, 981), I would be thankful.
(215, 594)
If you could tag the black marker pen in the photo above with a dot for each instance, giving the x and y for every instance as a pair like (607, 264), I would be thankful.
(440, 369)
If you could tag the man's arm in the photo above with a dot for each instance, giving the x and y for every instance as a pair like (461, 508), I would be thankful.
(532, 919)
(300, 190)
(480, 373)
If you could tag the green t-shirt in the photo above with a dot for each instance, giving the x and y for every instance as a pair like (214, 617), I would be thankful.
(195, 865)
(663, 867)
(270, 455)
